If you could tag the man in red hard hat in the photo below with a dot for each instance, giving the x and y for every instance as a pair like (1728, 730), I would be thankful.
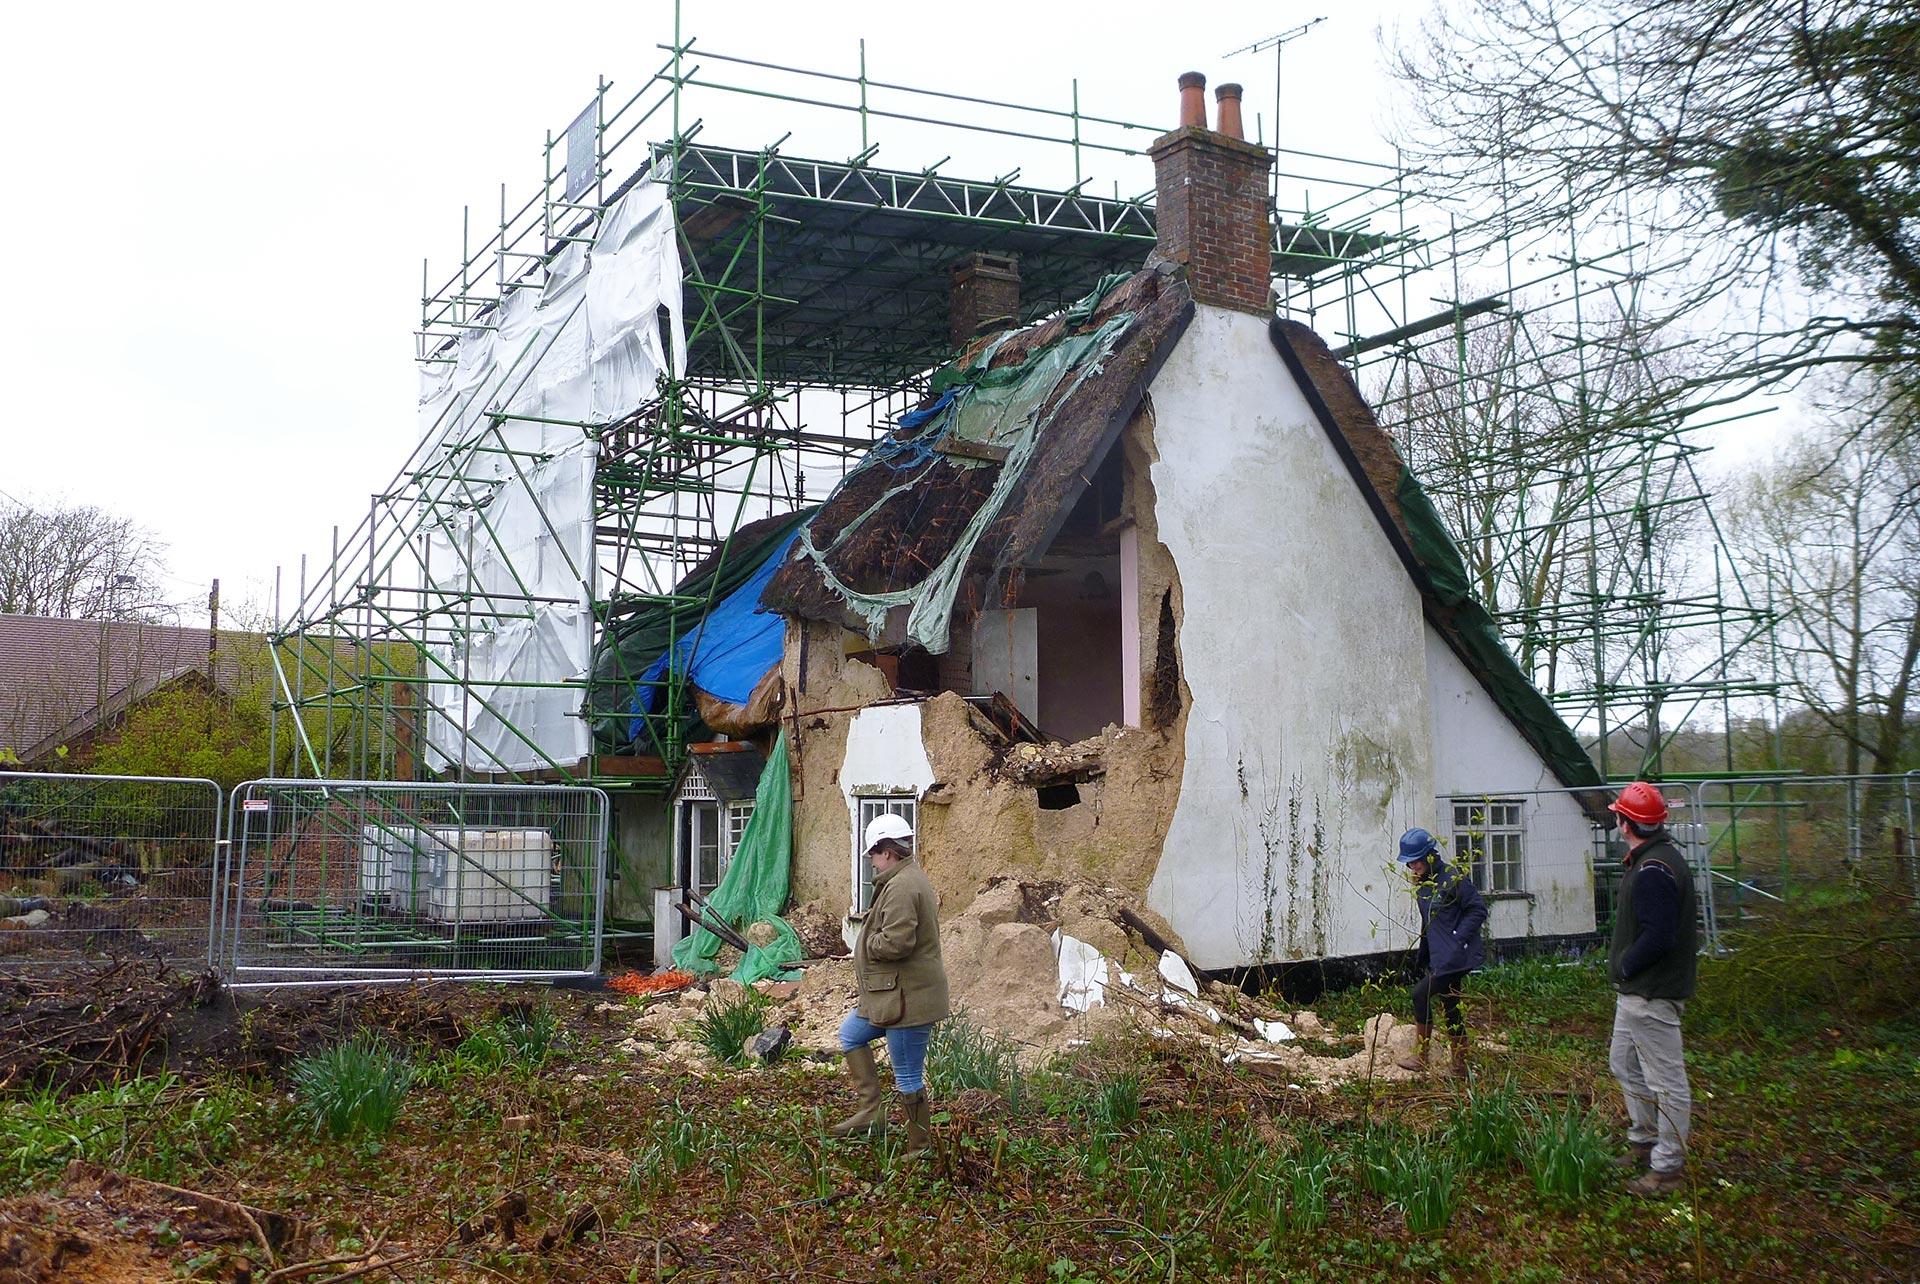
(1651, 964)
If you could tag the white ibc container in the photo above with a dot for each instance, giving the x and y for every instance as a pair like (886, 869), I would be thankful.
(394, 866)
(489, 875)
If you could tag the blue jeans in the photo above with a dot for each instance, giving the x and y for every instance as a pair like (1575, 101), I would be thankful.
(906, 1048)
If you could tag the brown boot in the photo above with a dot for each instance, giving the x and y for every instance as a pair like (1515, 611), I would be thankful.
(919, 1138)
(1417, 1059)
(870, 1114)
(1458, 1045)
(1653, 1184)
(1639, 1155)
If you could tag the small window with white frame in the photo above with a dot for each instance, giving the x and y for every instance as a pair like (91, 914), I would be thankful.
(738, 814)
(871, 808)
(1489, 838)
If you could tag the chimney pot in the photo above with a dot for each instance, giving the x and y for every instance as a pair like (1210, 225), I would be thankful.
(1228, 97)
(1193, 100)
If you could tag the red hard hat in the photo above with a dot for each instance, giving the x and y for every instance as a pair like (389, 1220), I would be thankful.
(1641, 803)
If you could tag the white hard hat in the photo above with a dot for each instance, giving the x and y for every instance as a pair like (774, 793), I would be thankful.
(888, 826)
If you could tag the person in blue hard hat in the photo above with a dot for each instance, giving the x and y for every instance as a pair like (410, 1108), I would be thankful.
(1451, 916)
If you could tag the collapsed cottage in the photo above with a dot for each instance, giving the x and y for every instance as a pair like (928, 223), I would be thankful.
(1141, 596)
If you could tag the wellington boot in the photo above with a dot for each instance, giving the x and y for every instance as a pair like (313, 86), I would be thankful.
(919, 1134)
(1458, 1046)
(870, 1111)
(1417, 1059)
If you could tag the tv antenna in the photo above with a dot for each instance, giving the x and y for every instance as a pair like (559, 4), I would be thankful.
(1278, 44)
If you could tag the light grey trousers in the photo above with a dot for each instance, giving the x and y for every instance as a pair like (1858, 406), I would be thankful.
(1648, 1061)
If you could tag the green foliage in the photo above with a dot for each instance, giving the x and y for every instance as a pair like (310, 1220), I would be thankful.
(522, 1038)
(725, 1025)
(1416, 1173)
(151, 1126)
(962, 1055)
(1485, 1132)
(1379, 1148)
(1117, 1103)
(1565, 1152)
(355, 1086)
(190, 730)
(1300, 1188)
(1841, 963)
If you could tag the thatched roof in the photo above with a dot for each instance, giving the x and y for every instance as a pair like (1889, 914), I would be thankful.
(898, 545)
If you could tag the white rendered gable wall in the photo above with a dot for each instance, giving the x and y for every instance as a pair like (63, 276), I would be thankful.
(1308, 744)
(1478, 752)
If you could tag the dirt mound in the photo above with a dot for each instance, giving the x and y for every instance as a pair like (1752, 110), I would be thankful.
(82, 1026)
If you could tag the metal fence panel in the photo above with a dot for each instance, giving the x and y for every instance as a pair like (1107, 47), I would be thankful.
(95, 867)
(1773, 837)
(368, 881)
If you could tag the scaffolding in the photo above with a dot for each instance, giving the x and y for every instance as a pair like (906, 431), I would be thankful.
(815, 309)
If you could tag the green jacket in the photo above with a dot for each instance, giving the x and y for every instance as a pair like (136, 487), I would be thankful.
(896, 961)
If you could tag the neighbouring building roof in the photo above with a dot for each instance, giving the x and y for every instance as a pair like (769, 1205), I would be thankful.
(60, 679)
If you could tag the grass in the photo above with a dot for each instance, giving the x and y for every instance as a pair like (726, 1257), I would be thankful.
(725, 1026)
(1301, 1187)
(353, 1087)
(1565, 1151)
(1134, 1166)
(1485, 1132)
(962, 1055)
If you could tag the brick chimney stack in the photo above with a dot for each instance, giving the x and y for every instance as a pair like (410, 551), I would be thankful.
(1210, 198)
(985, 294)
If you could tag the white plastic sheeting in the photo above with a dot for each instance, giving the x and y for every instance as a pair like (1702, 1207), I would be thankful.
(508, 492)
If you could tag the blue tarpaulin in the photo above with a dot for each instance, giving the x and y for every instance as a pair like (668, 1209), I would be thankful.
(729, 651)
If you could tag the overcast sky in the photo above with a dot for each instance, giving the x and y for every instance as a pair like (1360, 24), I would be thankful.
(219, 213)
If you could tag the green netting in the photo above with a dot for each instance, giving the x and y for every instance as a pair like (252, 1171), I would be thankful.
(1479, 637)
(998, 407)
(634, 640)
(754, 888)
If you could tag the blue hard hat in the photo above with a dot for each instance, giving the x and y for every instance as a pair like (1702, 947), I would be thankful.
(1416, 844)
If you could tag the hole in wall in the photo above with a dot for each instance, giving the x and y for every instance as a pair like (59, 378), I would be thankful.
(1058, 797)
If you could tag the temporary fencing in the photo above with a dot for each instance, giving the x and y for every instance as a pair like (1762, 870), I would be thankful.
(366, 881)
(102, 867)
(1775, 837)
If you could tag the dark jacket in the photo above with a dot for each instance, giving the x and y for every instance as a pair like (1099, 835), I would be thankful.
(1451, 916)
(896, 960)
(1656, 935)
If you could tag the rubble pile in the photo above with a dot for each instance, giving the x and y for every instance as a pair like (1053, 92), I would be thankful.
(1051, 967)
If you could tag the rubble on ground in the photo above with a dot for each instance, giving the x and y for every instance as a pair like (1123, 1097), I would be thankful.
(1051, 967)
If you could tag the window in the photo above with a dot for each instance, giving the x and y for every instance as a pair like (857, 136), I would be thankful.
(1488, 838)
(738, 814)
(873, 806)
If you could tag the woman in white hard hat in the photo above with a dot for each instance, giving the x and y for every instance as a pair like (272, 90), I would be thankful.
(902, 986)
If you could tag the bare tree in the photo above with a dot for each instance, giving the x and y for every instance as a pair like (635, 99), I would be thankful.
(77, 563)
(1559, 475)
(1834, 525)
(1768, 150)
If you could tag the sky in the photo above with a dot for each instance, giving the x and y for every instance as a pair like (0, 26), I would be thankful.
(219, 212)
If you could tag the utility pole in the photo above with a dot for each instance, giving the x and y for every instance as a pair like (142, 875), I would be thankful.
(213, 631)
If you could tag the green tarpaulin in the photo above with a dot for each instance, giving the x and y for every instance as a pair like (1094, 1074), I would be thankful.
(754, 888)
